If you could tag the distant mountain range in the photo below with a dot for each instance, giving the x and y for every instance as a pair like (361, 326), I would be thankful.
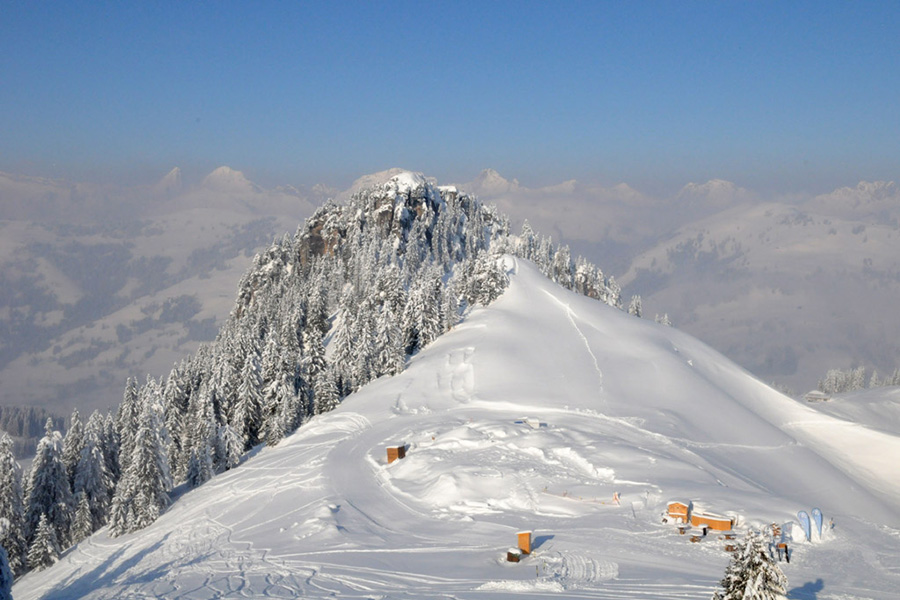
(99, 282)
(788, 288)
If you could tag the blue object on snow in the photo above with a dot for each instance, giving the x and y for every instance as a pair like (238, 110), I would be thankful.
(805, 524)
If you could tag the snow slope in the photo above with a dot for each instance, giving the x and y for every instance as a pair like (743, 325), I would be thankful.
(618, 404)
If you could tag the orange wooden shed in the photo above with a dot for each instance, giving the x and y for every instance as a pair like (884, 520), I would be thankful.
(715, 522)
(525, 542)
(395, 452)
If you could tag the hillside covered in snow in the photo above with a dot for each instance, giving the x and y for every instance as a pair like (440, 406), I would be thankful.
(530, 414)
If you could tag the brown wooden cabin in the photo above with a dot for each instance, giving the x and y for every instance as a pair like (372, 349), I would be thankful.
(395, 452)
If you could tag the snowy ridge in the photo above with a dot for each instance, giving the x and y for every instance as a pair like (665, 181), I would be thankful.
(324, 514)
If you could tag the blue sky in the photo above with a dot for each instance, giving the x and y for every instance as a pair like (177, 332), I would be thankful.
(772, 95)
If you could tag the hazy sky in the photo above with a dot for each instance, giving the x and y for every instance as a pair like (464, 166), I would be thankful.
(782, 96)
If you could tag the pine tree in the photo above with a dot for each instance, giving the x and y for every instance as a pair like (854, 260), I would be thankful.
(6, 576)
(126, 423)
(72, 445)
(314, 361)
(44, 549)
(325, 393)
(635, 307)
(857, 379)
(526, 245)
(12, 508)
(142, 492)
(200, 467)
(390, 358)
(280, 410)
(111, 448)
(175, 401)
(201, 439)
(49, 493)
(92, 478)
(874, 382)
(83, 525)
(752, 574)
(248, 414)
(230, 446)
(493, 279)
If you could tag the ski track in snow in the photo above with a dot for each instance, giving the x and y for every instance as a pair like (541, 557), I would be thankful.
(571, 316)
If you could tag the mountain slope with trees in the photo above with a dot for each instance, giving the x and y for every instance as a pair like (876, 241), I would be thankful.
(357, 290)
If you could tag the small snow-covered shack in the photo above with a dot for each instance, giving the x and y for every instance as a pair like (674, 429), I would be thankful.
(395, 452)
(677, 510)
(525, 542)
(816, 396)
(714, 522)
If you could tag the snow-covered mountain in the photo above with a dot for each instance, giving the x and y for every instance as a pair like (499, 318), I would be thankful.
(528, 415)
(105, 282)
(171, 184)
(229, 181)
(786, 291)
(787, 287)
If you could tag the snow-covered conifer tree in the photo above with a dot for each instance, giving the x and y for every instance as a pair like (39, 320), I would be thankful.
(142, 492)
(49, 493)
(526, 246)
(314, 361)
(562, 269)
(280, 410)
(200, 467)
(249, 410)
(6, 576)
(12, 509)
(175, 402)
(127, 422)
(44, 550)
(874, 382)
(92, 479)
(390, 357)
(72, 445)
(83, 525)
(635, 307)
(326, 396)
(110, 448)
(230, 446)
(343, 357)
(752, 574)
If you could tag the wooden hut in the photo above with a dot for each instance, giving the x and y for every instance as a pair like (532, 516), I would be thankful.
(395, 452)
(525, 542)
(677, 510)
(714, 522)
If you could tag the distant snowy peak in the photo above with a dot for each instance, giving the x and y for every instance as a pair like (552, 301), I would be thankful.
(715, 193)
(878, 200)
(713, 187)
(227, 180)
(490, 183)
(171, 184)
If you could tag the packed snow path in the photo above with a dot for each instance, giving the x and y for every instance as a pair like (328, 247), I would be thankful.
(530, 415)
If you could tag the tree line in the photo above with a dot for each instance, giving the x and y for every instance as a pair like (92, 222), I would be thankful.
(837, 381)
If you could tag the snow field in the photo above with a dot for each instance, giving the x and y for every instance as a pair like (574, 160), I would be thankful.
(623, 406)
